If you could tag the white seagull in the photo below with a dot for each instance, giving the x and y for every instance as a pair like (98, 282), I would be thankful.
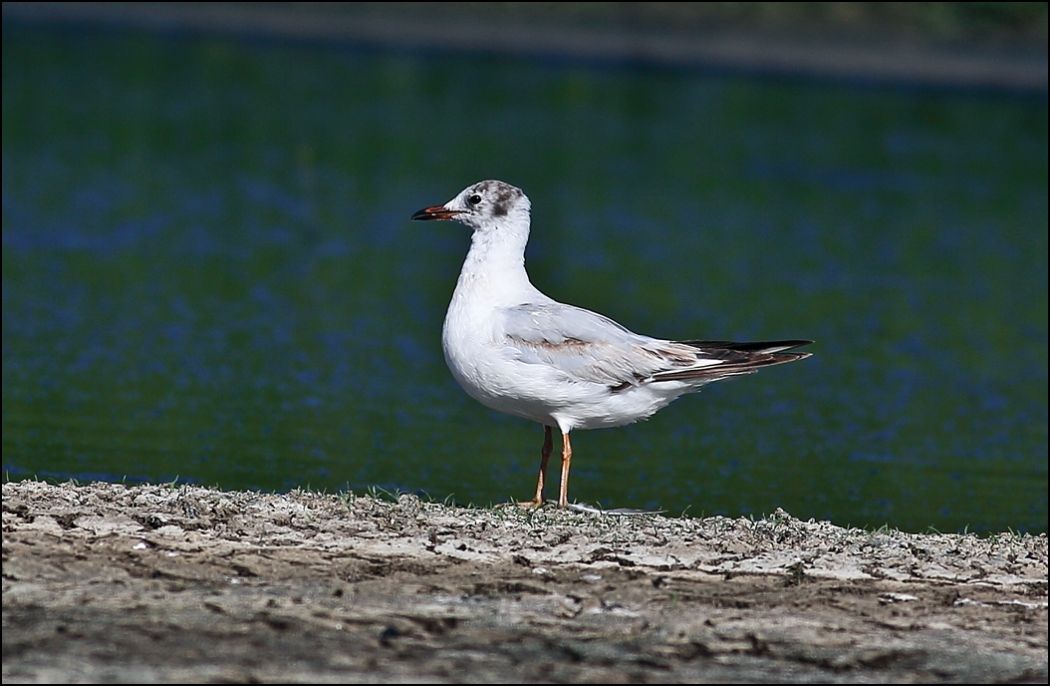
(515, 350)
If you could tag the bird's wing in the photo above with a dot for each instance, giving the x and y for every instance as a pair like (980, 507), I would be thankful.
(589, 347)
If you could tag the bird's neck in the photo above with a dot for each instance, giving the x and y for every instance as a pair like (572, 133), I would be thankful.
(495, 265)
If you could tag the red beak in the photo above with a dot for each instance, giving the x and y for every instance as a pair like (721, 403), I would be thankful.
(436, 212)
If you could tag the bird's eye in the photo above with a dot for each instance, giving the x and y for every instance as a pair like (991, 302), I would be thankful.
(474, 199)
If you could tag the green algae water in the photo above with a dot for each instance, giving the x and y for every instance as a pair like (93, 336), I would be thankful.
(209, 273)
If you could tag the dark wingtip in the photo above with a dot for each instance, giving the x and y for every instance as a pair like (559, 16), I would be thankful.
(751, 346)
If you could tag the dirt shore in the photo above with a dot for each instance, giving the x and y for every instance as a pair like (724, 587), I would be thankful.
(104, 582)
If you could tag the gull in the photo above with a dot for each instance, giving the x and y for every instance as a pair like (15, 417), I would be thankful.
(518, 351)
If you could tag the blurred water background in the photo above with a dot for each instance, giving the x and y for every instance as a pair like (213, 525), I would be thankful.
(209, 273)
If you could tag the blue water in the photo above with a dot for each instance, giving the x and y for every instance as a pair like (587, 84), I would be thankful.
(209, 274)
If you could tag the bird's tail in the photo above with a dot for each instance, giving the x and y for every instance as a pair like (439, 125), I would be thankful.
(739, 358)
(768, 347)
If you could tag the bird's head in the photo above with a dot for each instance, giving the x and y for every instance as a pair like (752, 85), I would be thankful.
(481, 205)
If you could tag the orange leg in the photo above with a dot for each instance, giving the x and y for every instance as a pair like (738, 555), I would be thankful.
(566, 459)
(541, 479)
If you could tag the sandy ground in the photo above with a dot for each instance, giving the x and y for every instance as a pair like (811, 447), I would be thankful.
(103, 582)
